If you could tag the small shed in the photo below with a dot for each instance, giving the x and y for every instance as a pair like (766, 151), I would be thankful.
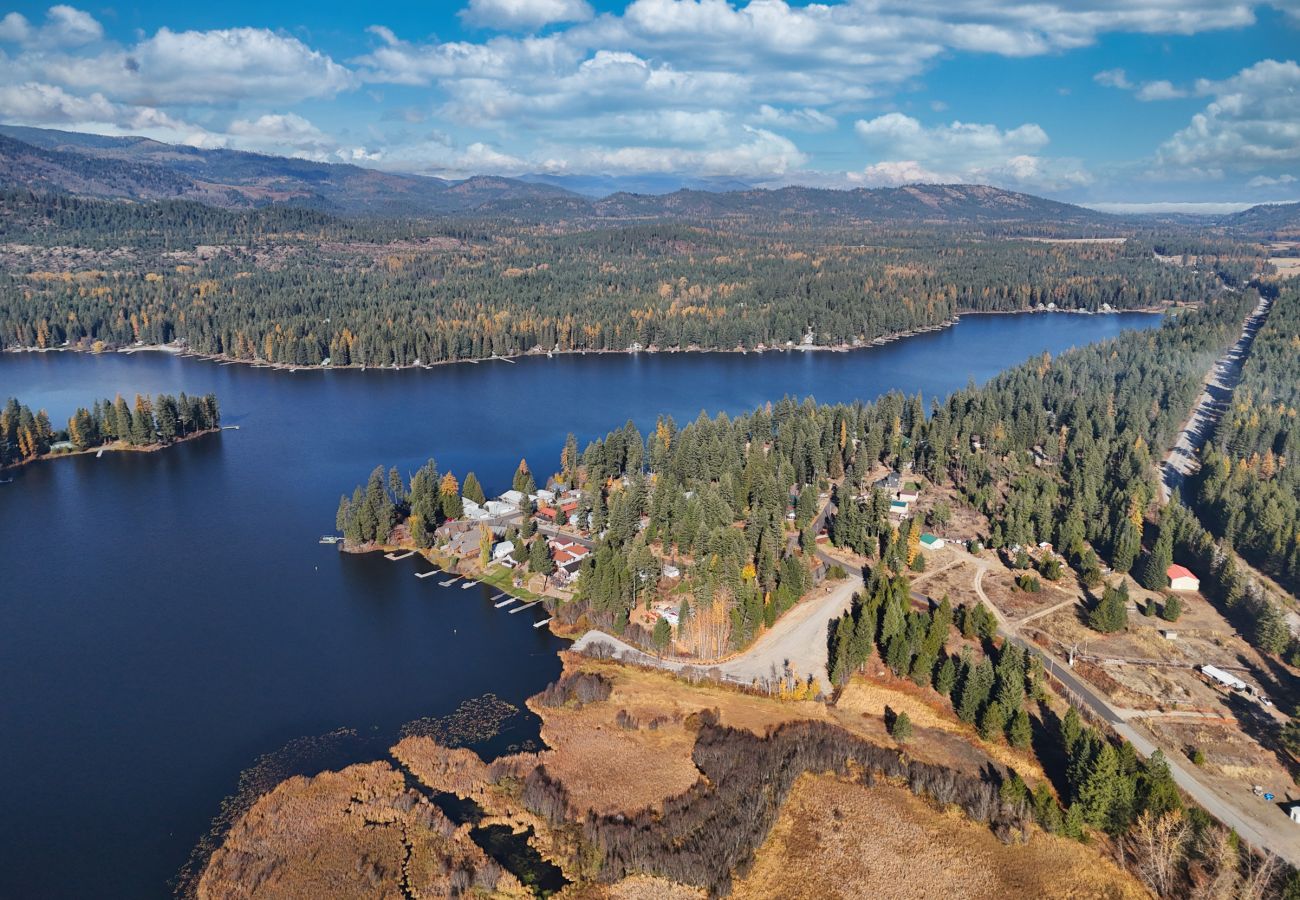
(898, 507)
(1182, 579)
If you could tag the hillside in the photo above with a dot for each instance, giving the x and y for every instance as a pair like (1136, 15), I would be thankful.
(1280, 221)
(135, 168)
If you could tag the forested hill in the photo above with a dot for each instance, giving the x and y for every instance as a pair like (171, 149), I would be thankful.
(134, 168)
(1270, 220)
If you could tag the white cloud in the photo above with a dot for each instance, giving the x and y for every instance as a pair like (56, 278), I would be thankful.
(962, 152)
(64, 26)
(1251, 124)
(1116, 78)
(804, 119)
(280, 130)
(1271, 181)
(1159, 90)
(525, 15)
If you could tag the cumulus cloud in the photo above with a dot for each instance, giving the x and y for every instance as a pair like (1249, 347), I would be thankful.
(525, 15)
(1116, 78)
(64, 26)
(962, 151)
(805, 119)
(1146, 91)
(1271, 181)
(1251, 124)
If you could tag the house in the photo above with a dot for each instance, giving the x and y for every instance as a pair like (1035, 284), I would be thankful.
(545, 496)
(502, 550)
(547, 513)
(931, 542)
(911, 492)
(1182, 579)
(514, 498)
(890, 483)
(898, 507)
(497, 508)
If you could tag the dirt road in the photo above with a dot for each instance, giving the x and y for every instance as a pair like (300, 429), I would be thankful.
(798, 639)
(1184, 457)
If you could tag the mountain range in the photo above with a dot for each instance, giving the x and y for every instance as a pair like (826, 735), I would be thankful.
(142, 169)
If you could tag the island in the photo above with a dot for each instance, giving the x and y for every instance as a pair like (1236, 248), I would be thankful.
(109, 425)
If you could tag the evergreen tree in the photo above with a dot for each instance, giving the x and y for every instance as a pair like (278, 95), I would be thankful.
(472, 490)
(1099, 790)
(992, 722)
(902, 728)
(1019, 732)
(1111, 614)
(975, 692)
(663, 634)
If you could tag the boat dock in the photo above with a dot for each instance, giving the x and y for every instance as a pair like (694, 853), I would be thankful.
(543, 622)
(469, 583)
(497, 596)
(505, 602)
(449, 582)
(426, 574)
(524, 607)
(330, 539)
(395, 556)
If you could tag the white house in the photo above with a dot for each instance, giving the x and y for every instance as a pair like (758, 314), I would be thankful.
(1224, 678)
(514, 498)
(499, 508)
(545, 496)
(502, 550)
(1182, 579)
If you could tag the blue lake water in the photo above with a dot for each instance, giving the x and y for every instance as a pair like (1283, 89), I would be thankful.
(168, 618)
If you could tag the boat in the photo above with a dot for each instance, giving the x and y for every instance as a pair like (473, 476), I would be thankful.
(467, 585)
(330, 539)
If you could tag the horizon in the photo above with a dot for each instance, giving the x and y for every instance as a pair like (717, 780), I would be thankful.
(1155, 108)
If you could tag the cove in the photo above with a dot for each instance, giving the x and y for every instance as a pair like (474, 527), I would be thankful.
(166, 619)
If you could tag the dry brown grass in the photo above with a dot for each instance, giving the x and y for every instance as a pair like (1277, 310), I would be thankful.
(638, 887)
(939, 736)
(840, 840)
(356, 833)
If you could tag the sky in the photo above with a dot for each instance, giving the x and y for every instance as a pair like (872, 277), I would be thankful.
(1120, 104)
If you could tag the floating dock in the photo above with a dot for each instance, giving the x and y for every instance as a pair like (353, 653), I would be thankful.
(426, 574)
(543, 622)
(395, 556)
(497, 596)
(467, 585)
(449, 582)
(524, 607)
(505, 602)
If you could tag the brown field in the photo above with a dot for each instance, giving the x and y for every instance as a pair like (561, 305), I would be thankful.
(839, 840)
(356, 833)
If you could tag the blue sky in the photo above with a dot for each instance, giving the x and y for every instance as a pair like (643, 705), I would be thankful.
(1096, 101)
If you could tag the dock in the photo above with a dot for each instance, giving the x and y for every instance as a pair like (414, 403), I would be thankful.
(395, 556)
(426, 574)
(449, 582)
(543, 622)
(100, 453)
(505, 602)
(467, 585)
(524, 607)
(497, 596)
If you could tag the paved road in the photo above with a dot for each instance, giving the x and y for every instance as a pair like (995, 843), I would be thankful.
(1184, 458)
(1260, 823)
(798, 638)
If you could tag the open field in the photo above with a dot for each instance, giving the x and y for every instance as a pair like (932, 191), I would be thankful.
(839, 840)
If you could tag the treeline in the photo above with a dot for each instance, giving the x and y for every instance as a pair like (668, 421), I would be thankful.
(1247, 491)
(164, 419)
(296, 287)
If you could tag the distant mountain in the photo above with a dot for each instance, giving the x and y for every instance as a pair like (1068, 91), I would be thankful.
(598, 186)
(138, 168)
(1280, 221)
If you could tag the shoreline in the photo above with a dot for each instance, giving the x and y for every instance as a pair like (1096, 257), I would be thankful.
(115, 447)
(880, 341)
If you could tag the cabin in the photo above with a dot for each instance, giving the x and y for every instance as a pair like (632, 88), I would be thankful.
(499, 508)
(910, 492)
(545, 496)
(1182, 579)
(931, 542)
(898, 507)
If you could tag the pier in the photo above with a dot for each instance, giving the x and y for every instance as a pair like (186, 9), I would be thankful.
(449, 582)
(394, 557)
(543, 622)
(524, 607)
(505, 602)
(426, 574)
(467, 585)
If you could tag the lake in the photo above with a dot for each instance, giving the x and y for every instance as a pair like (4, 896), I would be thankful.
(168, 619)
